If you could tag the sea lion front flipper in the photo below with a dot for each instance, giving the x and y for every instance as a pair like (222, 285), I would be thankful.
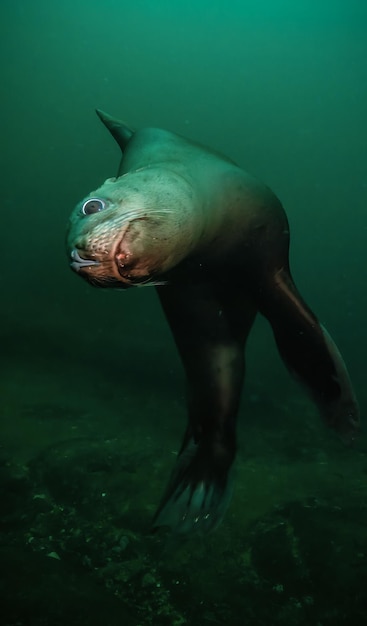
(119, 131)
(310, 353)
(210, 323)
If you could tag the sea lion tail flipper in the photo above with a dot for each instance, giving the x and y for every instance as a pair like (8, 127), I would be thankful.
(198, 493)
(119, 131)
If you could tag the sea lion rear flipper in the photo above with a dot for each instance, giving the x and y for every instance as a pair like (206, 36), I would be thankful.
(198, 493)
(310, 353)
(210, 323)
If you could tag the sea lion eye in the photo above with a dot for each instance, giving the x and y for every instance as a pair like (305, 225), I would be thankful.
(93, 205)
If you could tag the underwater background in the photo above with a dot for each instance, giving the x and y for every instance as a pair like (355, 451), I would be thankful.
(92, 390)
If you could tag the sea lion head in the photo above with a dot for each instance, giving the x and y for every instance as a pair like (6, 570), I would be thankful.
(133, 229)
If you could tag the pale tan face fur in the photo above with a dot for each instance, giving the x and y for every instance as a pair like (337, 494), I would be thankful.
(132, 229)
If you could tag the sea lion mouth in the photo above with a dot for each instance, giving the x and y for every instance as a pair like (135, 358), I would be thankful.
(78, 262)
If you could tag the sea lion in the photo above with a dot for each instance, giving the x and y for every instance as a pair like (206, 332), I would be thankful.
(214, 241)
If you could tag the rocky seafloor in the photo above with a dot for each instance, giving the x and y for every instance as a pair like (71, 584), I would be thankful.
(76, 549)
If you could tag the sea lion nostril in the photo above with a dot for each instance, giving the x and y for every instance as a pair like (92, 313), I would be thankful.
(78, 262)
(93, 205)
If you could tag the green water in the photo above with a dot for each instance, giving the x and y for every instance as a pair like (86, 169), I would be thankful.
(92, 392)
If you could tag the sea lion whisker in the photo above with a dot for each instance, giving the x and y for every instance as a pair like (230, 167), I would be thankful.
(149, 282)
(143, 213)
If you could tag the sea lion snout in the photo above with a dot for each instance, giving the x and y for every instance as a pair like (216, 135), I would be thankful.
(79, 261)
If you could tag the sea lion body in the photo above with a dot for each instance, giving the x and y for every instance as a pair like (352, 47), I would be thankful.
(215, 242)
(189, 200)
